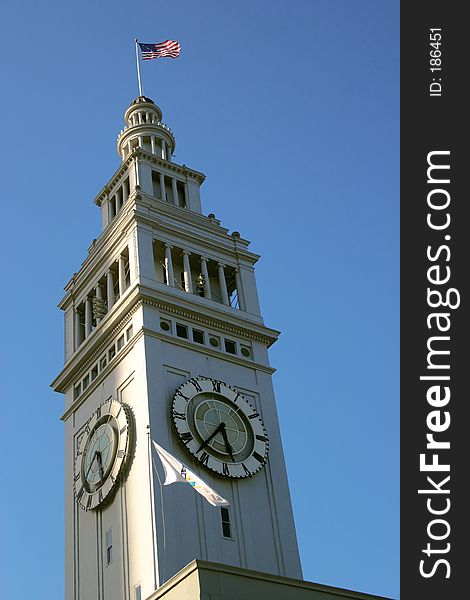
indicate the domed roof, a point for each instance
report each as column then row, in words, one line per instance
column 140, row 99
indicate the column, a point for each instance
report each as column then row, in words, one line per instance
column 125, row 191
column 175, row 191
column 207, row 285
column 223, row 285
column 99, row 295
column 110, row 289
column 188, row 286
column 163, row 149
column 186, row 195
column 141, row 140
column 238, row 283
column 117, row 198
column 137, row 174
column 122, row 276
column 78, row 337
column 170, row 278
column 162, row 187
column 152, row 143
column 88, row 317
column 111, row 211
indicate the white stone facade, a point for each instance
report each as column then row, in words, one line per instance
column 161, row 268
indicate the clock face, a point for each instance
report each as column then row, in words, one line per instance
column 220, row 427
column 102, row 454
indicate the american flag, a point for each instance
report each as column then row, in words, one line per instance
column 167, row 48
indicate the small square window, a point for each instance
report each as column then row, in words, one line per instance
column 129, row 332
column 181, row 331
column 111, row 352
column 94, row 372
column 198, row 336
column 86, row 382
column 120, row 343
column 230, row 347
column 103, row 363
column 77, row 391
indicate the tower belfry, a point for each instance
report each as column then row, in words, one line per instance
column 164, row 340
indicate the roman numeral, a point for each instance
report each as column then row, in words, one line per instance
column 121, row 453
column 246, row 470
column 195, row 382
column 204, row 458
column 80, row 494
column 261, row 438
column 88, row 502
column 225, row 469
column 216, row 385
column 178, row 415
column 98, row 412
column 258, row 457
column 253, row 416
column 178, row 393
column 76, row 477
column 100, row 496
column 237, row 396
column 186, row 437
column 123, row 429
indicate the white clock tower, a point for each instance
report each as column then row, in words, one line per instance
column 164, row 340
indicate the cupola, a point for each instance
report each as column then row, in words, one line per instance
column 144, row 129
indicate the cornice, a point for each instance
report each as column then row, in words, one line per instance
column 137, row 153
column 113, row 323
column 116, row 320
column 101, row 377
column 200, row 233
column 209, row 313
column 208, row 351
column 171, row 167
column 100, row 253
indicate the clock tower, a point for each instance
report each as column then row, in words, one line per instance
column 164, row 341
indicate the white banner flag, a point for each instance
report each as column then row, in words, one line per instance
column 176, row 471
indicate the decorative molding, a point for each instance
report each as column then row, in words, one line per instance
column 233, row 358
column 214, row 322
column 78, row 365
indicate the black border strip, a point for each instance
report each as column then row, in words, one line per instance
column 436, row 123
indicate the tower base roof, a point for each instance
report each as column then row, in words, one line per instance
column 201, row 580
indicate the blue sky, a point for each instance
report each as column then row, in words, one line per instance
column 291, row 110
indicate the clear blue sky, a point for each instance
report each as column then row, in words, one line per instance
column 291, row 110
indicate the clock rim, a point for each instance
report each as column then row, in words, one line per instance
column 178, row 399
column 121, row 463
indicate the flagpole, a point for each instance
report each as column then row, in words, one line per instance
column 138, row 66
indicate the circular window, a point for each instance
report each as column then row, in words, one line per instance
column 245, row 351
column 165, row 326
column 214, row 341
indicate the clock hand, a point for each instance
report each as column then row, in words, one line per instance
column 213, row 434
column 227, row 443
column 100, row 464
column 91, row 463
